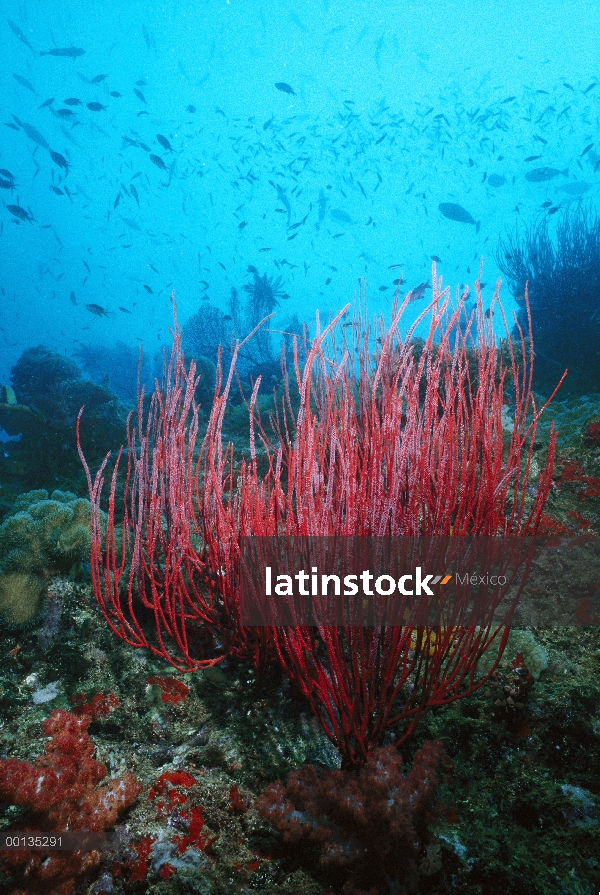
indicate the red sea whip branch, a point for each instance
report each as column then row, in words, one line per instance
column 157, row 568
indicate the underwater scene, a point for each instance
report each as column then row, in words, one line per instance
column 300, row 448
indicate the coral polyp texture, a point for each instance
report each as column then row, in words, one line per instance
column 60, row 792
column 42, row 536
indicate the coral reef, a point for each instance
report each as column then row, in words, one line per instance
column 211, row 330
column 116, row 367
column 60, row 791
column 368, row 826
column 50, row 391
column 563, row 279
column 42, row 536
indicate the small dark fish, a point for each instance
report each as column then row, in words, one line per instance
column 419, row 291
column 532, row 158
column 508, row 99
column 32, row 133
column 139, row 94
column 18, row 33
column 383, row 288
column 20, row 213
column 436, row 259
column 72, row 101
column 568, row 86
column 156, row 160
column 148, row 289
column 134, row 193
column 591, row 87
column 164, row 143
column 587, row 149
column 117, row 200
column 70, row 52
column 539, row 139
column 96, row 107
column 65, row 113
column 125, row 311
column 47, row 102
column 56, row 190
column 285, row 88
column 338, row 214
column 98, row 310
column 59, row 160
column 116, row 94
column 25, row 83
column 191, row 109
column 7, row 184
column 328, row 281
column 455, row 212
column 554, row 209
column 242, row 224
column 539, row 175
column 98, row 79
column 546, row 204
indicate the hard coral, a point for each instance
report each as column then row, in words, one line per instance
column 60, row 791
column 369, row 823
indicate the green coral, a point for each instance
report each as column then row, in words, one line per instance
column 43, row 536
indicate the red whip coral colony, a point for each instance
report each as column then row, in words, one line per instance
column 401, row 442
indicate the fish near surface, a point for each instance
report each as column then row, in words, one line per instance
column 455, row 212
column 540, row 175
column 285, row 88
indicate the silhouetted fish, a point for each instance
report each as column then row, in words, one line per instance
column 164, row 143
column 59, row 160
column 20, row 213
column 539, row 175
column 70, row 52
column 25, row 83
column 156, row 159
column 17, row 31
column 285, row 88
column 457, row 213
column 98, row 310
column 33, row 133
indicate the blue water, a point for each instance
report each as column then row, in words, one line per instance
column 395, row 109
